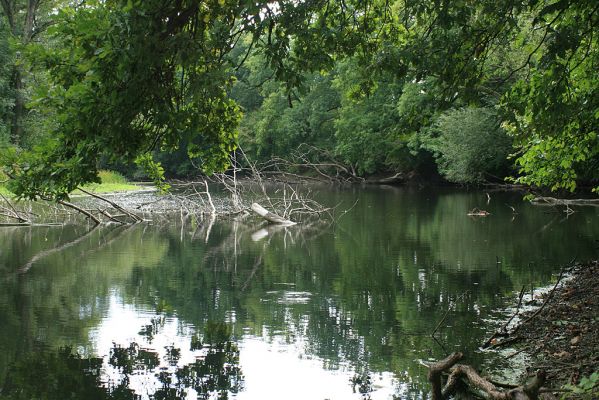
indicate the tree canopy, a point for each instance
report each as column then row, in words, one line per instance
column 124, row 78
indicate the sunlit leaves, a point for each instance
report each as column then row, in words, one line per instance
column 127, row 78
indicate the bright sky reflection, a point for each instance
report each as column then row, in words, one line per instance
column 272, row 369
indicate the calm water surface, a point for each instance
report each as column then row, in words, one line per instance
column 189, row 309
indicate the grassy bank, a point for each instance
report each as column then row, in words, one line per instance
column 111, row 182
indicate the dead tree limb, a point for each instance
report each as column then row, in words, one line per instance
column 552, row 201
column 503, row 331
column 270, row 217
column 81, row 210
column 507, row 334
column 131, row 215
column 13, row 212
column 390, row 180
column 474, row 379
column 529, row 391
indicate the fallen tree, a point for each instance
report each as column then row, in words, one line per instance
column 552, row 201
column 287, row 203
column 270, row 217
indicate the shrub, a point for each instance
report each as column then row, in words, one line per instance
column 111, row 177
column 469, row 145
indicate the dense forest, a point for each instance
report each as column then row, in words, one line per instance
column 471, row 91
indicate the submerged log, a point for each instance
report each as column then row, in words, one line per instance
column 270, row 217
column 552, row 201
column 395, row 179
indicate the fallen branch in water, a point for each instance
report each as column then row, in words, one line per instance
column 503, row 331
column 12, row 212
column 508, row 334
column 270, row 217
column 114, row 205
column 435, row 371
column 552, row 201
column 81, row 210
column 465, row 373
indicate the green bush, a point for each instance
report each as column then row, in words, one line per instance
column 111, row 177
column 587, row 388
column 469, row 145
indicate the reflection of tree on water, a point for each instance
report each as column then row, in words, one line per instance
column 64, row 374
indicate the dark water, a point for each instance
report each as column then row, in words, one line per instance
column 184, row 308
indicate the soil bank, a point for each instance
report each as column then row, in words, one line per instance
column 563, row 339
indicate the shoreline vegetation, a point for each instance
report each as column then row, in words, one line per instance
column 242, row 185
column 111, row 182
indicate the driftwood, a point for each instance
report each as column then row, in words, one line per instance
column 81, row 210
column 475, row 212
column 131, row 215
column 465, row 373
column 286, row 203
column 395, row 179
column 435, row 371
column 270, row 217
column 503, row 331
column 12, row 212
column 552, row 201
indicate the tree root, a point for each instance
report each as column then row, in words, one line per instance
column 465, row 373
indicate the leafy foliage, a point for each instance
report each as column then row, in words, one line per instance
column 586, row 389
column 365, row 79
column 142, row 74
column 470, row 145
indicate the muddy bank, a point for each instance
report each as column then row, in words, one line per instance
column 560, row 335
column 563, row 339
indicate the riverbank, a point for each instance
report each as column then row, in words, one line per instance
column 111, row 182
column 563, row 337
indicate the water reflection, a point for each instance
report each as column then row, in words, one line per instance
column 132, row 371
column 341, row 311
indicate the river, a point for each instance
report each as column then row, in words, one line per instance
column 185, row 308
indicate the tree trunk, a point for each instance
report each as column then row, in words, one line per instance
column 24, row 31
column 270, row 217
column 16, row 129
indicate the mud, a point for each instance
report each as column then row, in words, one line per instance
column 563, row 339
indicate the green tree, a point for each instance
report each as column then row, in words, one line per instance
column 23, row 22
column 131, row 77
column 554, row 113
column 6, row 97
column 469, row 145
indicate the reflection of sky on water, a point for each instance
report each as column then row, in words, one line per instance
column 272, row 369
column 122, row 325
column 284, row 371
